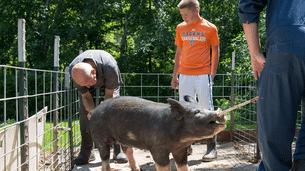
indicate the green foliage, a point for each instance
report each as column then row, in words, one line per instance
column 150, row 28
column 139, row 34
column 238, row 44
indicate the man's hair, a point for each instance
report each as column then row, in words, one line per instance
column 190, row 4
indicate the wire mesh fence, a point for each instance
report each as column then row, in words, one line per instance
column 244, row 119
column 28, row 141
column 47, row 135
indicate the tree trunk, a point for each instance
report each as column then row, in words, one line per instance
column 46, row 25
column 124, row 39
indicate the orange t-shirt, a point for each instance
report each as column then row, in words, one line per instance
column 196, row 40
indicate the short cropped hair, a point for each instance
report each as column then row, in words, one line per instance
column 190, row 4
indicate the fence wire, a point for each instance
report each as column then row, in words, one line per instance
column 29, row 144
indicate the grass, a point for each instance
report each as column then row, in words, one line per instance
column 63, row 136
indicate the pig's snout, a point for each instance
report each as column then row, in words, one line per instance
column 216, row 119
column 222, row 117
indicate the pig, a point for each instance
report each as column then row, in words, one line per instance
column 161, row 128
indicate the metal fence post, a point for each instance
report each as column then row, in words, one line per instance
column 232, row 96
column 55, row 101
column 67, row 86
column 22, row 102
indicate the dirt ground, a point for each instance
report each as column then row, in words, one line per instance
column 229, row 157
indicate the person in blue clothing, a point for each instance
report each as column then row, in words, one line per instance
column 281, row 78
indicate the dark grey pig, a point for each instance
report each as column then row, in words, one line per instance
column 160, row 128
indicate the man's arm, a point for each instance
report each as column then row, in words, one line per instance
column 108, row 94
column 88, row 103
column 175, row 81
column 215, row 61
column 257, row 58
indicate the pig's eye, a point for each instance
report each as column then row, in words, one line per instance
column 196, row 111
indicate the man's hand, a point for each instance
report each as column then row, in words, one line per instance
column 175, row 83
column 213, row 78
column 89, row 116
column 258, row 63
column 257, row 58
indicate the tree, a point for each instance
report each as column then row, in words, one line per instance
column 139, row 34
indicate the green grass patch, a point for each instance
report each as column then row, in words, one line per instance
column 63, row 136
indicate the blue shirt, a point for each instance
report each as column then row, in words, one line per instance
column 280, row 13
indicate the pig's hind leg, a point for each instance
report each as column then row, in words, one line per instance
column 132, row 162
column 180, row 158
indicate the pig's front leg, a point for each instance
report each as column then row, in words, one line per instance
column 132, row 162
column 163, row 168
column 161, row 159
column 180, row 157
column 105, row 156
column 106, row 165
column 104, row 150
column 182, row 168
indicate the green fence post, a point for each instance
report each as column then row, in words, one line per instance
column 69, row 102
column 232, row 96
column 22, row 102
column 55, row 102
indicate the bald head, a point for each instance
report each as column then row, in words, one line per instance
column 83, row 73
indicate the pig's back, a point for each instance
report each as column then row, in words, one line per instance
column 132, row 121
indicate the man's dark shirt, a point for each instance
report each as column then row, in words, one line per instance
column 108, row 74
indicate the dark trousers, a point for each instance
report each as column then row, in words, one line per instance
column 281, row 89
column 87, row 142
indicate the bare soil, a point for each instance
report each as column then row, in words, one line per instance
column 230, row 156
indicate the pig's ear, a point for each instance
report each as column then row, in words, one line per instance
column 177, row 109
column 188, row 98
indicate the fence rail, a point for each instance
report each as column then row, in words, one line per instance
column 36, row 148
column 51, row 98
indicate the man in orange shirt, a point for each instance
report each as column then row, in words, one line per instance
column 195, row 37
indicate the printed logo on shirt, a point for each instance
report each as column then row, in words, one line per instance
column 193, row 36
column 192, row 42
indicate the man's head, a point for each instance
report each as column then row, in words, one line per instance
column 84, row 74
column 189, row 10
